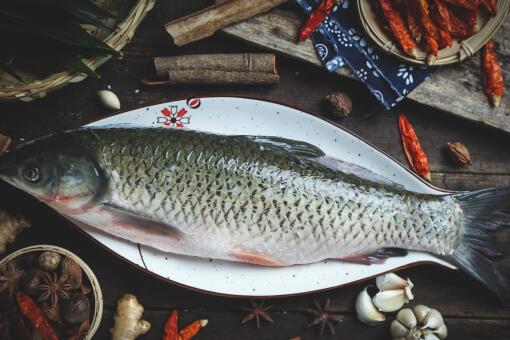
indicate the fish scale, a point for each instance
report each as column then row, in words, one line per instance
column 264, row 199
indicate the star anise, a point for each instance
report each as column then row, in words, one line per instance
column 323, row 317
column 54, row 287
column 257, row 312
column 9, row 278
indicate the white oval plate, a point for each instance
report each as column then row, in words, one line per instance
column 230, row 115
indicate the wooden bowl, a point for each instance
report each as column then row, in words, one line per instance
column 12, row 89
column 460, row 50
column 96, row 289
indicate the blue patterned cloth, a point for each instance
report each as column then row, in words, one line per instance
column 340, row 40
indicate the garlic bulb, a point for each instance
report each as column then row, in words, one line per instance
column 419, row 323
column 109, row 99
column 366, row 311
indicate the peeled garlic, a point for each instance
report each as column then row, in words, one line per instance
column 391, row 281
column 390, row 300
column 366, row 311
column 109, row 99
column 433, row 319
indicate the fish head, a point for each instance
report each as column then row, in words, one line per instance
column 58, row 170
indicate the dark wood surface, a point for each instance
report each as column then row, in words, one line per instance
column 471, row 311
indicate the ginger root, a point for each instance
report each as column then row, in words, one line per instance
column 128, row 325
column 10, row 226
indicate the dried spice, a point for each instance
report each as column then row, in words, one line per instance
column 78, row 332
column 49, row 260
column 76, row 309
column 323, row 317
column 72, row 271
column 316, row 18
column 192, row 329
column 459, row 153
column 172, row 332
column 412, row 23
column 398, row 27
column 9, row 278
column 492, row 74
column 34, row 314
column 53, row 287
column 414, row 152
column 52, row 313
column 430, row 30
column 257, row 311
column 441, row 15
column 469, row 4
column 339, row 103
column 31, row 281
column 490, row 5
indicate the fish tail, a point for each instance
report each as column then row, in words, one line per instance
column 484, row 250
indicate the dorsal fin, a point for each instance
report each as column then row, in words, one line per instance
column 294, row 147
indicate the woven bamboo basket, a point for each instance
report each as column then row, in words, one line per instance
column 460, row 50
column 13, row 90
column 96, row 289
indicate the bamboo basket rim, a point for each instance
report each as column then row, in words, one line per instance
column 459, row 51
column 96, row 288
column 121, row 35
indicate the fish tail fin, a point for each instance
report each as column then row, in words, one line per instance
column 484, row 251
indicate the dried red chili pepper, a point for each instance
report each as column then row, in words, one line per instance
column 192, row 329
column 34, row 314
column 412, row 24
column 171, row 332
column 445, row 38
column 470, row 17
column 441, row 15
column 430, row 29
column 398, row 27
column 414, row 152
column 316, row 18
column 490, row 5
column 469, row 4
column 492, row 74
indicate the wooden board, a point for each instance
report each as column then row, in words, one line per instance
column 456, row 89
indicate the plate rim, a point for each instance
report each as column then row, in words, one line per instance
column 213, row 293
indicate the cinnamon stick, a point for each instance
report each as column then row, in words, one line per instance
column 241, row 62
column 213, row 77
column 204, row 23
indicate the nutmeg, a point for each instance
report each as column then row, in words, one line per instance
column 49, row 260
column 30, row 284
column 339, row 104
column 76, row 309
column 459, row 153
column 72, row 272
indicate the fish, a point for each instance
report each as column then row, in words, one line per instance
column 261, row 200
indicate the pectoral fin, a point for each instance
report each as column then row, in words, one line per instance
column 127, row 219
column 378, row 257
column 255, row 258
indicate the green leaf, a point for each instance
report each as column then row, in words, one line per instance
column 63, row 32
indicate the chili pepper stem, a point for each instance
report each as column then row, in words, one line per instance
column 496, row 101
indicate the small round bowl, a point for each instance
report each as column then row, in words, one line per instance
column 460, row 50
column 96, row 289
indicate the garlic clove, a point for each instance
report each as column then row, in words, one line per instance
column 391, row 281
column 398, row 330
column 407, row 318
column 109, row 99
column 366, row 311
column 433, row 319
column 408, row 292
column 390, row 300
column 441, row 332
column 420, row 311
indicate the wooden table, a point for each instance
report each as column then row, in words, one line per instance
column 471, row 311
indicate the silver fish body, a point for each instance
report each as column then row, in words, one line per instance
column 263, row 200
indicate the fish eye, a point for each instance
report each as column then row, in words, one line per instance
column 31, row 173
